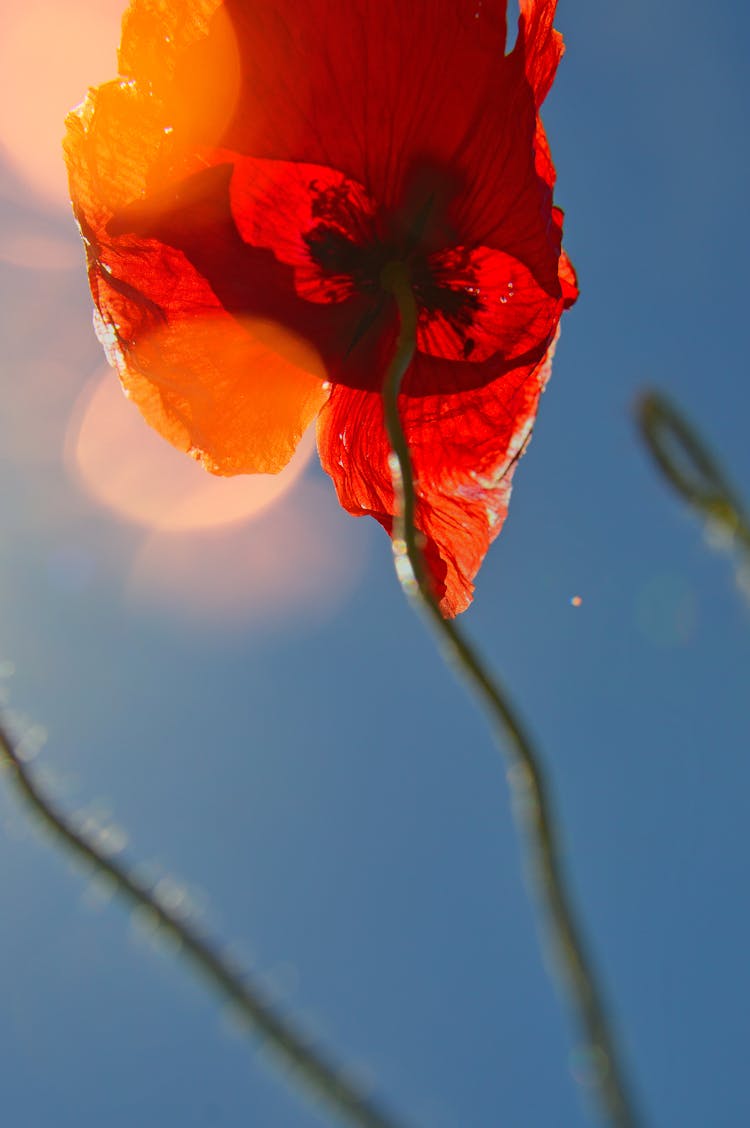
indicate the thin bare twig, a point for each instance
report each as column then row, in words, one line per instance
column 315, row 1071
column 527, row 781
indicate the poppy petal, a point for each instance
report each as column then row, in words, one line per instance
column 568, row 281
column 362, row 85
column 397, row 95
column 225, row 391
column 290, row 208
column 237, row 393
column 500, row 308
column 464, row 449
column 184, row 55
column 541, row 45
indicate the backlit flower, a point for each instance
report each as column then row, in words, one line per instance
column 241, row 187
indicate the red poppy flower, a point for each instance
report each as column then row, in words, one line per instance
column 240, row 189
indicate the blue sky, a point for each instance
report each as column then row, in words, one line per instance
column 269, row 723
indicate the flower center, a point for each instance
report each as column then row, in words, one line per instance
column 444, row 284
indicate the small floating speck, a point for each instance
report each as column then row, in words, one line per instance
column 576, row 600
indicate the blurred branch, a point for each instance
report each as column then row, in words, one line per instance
column 691, row 468
column 526, row 778
column 315, row 1071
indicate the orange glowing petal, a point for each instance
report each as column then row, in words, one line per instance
column 135, row 135
column 128, row 468
column 236, row 396
column 56, row 43
column 184, row 55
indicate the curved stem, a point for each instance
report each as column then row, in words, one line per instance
column 690, row 467
column 316, row 1072
column 527, row 781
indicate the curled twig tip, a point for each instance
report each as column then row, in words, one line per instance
column 690, row 467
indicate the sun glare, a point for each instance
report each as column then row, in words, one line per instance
column 298, row 563
column 126, row 466
column 27, row 248
column 49, row 52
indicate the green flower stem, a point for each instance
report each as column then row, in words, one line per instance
column 690, row 467
column 315, row 1071
column 529, row 789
